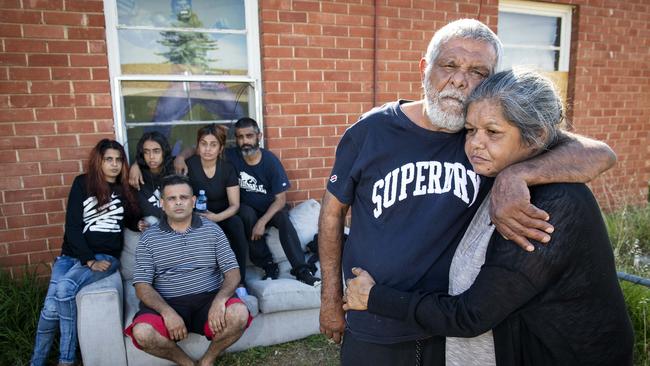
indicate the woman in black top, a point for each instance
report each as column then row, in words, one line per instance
column 560, row 304
column 154, row 158
column 100, row 203
column 208, row 170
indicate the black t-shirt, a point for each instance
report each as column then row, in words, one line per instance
column 215, row 188
column 149, row 193
column 412, row 192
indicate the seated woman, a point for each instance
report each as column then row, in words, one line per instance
column 208, row 170
column 100, row 203
column 560, row 304
column 154, row 158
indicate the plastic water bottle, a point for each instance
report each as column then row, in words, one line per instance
column 201, row 202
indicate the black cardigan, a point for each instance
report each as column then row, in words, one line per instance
column 559, row 305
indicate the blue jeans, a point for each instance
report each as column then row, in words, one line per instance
column 69, row 275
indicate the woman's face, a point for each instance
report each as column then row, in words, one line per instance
column 492, row 143
column 111, row 165
column 153, row 155
column 209, row 148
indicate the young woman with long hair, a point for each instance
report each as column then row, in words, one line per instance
column 154, row 158
column 100, row 203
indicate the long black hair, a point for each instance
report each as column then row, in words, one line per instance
column 158, row 137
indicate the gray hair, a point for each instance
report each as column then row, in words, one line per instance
column 528, row 100
column 468, row 29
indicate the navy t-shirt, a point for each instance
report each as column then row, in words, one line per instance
column 259, row 183
column 215, row 187
column 412, row 192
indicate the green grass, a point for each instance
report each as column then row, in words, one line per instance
column 637, row 299
column 629, row 232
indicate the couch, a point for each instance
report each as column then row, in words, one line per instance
column 283, row 309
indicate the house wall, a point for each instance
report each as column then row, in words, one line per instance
column 323, row 64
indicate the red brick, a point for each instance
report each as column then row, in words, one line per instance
column 29, row 73
column 17, row 142
column 88, row 60
column 10, row 30
column 27, row 246
column 100, row 73
column 43, row 207
column 39, row 181
column 43, row 4
column 15, row 222
column 25, row 45
column 10, row 4
column 42, row 257
column 56, row 218
column 60, row 167
column 20, row 16
column 13, row 59
column 74, row 153
column 54, row 114
column 38, row 155
column 49, row 87
column 91, row 139
column 43, row 31
column 75, row 127
column 40, row 232
column 24, row 195
column 91, row 86
column 64, row 18
column 96, row 20
column 96, row 6
column 56, row 192
column 47, row 60
column 57, row 141
column 97, row 46
column 16, row 115
column 8, row 157
column 86, row 33
column 67, row 46
column 22, row 101
column 102, row 100
column 29, row 129
column 70, row 73
column 13, row 260
column 94, row 113
column 11, row 209
column 12, row 87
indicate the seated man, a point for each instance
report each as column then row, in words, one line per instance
column 185, row 277
column 263, row 184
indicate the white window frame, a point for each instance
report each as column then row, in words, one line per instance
column 116, row 76
column 564, row 12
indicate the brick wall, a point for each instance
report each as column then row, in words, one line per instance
column 54, row 105
column 324, row 63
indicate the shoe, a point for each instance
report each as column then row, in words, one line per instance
column 305, row 276
column 271, row 271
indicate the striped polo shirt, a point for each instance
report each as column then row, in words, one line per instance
column 178, row 264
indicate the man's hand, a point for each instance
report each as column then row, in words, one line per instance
column 332, row 317
column 135, row 177
column 513, row 214
column 357, row 290
column 258, row 230
column 179, row 165
column 98, row 266
column 175, row 325
column 217, row 316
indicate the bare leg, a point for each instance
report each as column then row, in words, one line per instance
column 236, row 318
column 155, row 344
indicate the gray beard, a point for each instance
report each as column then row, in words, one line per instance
column 438, row 117
column 248, row 151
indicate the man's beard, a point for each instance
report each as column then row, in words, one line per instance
column 248, row 149
column 439, row 118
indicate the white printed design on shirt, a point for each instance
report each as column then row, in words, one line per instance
column 249, row 183
column 155, row 198
column 423, row 178
column 105, row 218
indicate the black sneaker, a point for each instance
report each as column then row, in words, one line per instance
column 305, row 276
column 271, row 271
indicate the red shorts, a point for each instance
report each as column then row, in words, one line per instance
column 192, row 308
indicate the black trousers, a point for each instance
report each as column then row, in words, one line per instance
column 259, row 249
column 233, row 227
column 425, row 352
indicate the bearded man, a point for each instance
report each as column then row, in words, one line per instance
column 403, row 170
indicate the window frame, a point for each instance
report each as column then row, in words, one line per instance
column 116, row 77
column 564, row 12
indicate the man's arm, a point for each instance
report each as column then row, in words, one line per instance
column 179, row 162
column 574, row 159
column 277, row 205
column 152, row 299
column 217, row 312
column 330, row 248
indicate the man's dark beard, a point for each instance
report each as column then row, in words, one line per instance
column 248, row 149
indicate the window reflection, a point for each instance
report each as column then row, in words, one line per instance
column 222, row 14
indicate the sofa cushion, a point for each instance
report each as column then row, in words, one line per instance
column 127, row 258
column 304, row 218
column 284, row 294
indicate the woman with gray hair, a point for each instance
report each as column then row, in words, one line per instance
column 560, row 304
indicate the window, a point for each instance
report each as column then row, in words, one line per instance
column 176, row 65
column 538, row 35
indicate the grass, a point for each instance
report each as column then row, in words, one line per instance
column 629, row 230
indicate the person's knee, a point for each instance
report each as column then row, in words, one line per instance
column 49, row 311
column 237, row 315
column 66, row 289
column 146, row 336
